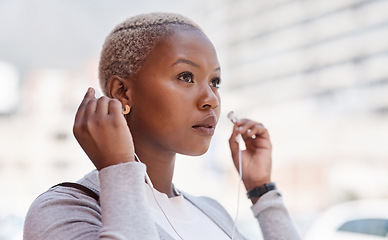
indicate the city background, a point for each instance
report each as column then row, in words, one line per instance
column 314, row 72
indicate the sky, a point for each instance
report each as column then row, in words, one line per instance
column 46, row 33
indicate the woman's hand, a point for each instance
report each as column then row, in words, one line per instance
column 256, row 159
column 102, row 131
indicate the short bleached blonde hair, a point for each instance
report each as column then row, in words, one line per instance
column 131, row 41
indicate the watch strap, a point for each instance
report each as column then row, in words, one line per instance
column 260, row 191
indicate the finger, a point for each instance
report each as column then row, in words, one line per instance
column 261, row 139
column 254, row 131
column 115, row 107
column 250, row 130
column 88, row 96
column 81, row 109
column 259, row 131
column 245, row 126
column 90, row 108
column 102, row 106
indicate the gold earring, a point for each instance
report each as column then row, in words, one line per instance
column 126, row 109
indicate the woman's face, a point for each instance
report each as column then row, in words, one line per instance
column 175, row 99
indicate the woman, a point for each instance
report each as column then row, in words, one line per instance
column 164, row 72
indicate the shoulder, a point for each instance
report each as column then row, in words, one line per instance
column 210, row 207
column 60, row 198
column 91, row 181
column 212, row 203
column 57, row 210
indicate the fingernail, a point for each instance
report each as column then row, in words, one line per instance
column 88, row 91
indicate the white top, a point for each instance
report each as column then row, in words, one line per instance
column 183, row 215
column 123, row 212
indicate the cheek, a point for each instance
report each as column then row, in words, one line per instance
column 217, row 110
column 165, row 117
column 152, row 100
column 163, row 109
column 172, row 106
column 219, row 100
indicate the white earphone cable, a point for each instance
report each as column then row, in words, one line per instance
column 238, row 139
column 149, row 183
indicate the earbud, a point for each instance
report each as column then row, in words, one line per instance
column 232, row 117
column 97, row 94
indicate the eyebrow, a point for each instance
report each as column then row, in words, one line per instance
column 191, row 63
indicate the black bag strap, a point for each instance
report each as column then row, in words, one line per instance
column 91, row 193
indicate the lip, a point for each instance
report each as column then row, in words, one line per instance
column 206, row 126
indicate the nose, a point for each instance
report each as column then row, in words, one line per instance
column 209, row 98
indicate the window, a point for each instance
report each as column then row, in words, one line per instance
column 377, row 227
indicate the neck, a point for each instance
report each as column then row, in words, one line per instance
column 160, row 169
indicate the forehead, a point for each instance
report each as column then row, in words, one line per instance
column 192, row 45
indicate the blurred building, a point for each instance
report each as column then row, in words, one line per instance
column 313, row 71
column 10, row 82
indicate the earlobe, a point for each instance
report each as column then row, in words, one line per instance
column 118, row 88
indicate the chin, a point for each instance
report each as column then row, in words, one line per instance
column 195, row 152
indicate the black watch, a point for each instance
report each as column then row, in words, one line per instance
column 260, row 191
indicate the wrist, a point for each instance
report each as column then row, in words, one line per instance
column 249, row 185
column 255, row 193
column 112, row 162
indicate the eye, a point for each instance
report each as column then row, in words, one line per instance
column 215, row 82
column 186, row 77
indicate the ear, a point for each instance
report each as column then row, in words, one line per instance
column 119, row 88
